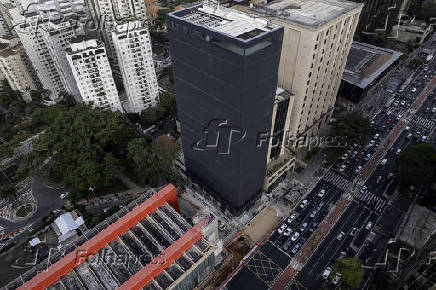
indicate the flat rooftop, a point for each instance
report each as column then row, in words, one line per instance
column 366, row 62
column 226, row 21
column 312, row 13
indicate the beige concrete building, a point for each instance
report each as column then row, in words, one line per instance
column 317, row 38
column 14, row 69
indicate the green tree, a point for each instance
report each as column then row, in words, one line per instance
column 416, row 166
column 351, row 270
column 78, row 143
column 8, row 191
column 416, row 62
column 145, row 162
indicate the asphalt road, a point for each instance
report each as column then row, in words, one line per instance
column 370, row 208
column 47, row 200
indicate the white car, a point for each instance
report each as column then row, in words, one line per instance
column 376, row 136
column 337, row 278
column 413, row 90
column 398, row 151
column 384, row 161
column 433, row 110
column 340, row 236
column 64, row 195
column 282, row 228
column 295, row 236
column 368, row 225
column 321, row 193
column 363, row 189
column 407, row 128
column 326, row 272
column 345, row 156
column 304, row 203
column 423, row 138
column 313, row 213
column 303, row 227
column 292, row 217
column 342, row 168
column 287, row 232
column 402, row 103
column 358, row 169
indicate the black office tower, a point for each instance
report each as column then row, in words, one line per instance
column 225, row 67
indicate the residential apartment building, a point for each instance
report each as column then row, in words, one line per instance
column 317, row 38
column 133, row 46
column 57, row 38
column 14, row 69
column 225, row 73
column 107, row 12
column 29, row 27
column 90, row 66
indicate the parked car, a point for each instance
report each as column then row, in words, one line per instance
column 368, row 225
column 337, row 278
column 353, row 231
column 321, row 193
column 384, row 161
column 282, row 229
column 295, row 236
column 303, row 227
column 304, row 203
column 398, row 151
column 64, row 195
column 326, row 272
column 313, row 213
column 379, row 178
column 287, row 245
column 340, row 236
column 292, row 217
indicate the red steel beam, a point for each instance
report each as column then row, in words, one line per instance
column 166, row 258
column 102, row 239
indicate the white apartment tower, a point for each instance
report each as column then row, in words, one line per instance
column 90, row 66
column 29, row 31
column 317, row 38
column 14, row 69
column 57, row 38
column 133, row 47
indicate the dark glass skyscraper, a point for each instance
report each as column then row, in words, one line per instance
column 225, row 68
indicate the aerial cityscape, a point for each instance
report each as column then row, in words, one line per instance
column 218, row 144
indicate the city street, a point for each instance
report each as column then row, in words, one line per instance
column 371, row 209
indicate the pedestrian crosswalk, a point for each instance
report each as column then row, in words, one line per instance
column 374, row 202
column 423, row 122
column 336, row 179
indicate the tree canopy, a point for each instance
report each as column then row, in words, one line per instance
column 7, row 191
column 351, row 270
column 416, row 166
column 82, row 144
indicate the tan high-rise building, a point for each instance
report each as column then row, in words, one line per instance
column 317, row 39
